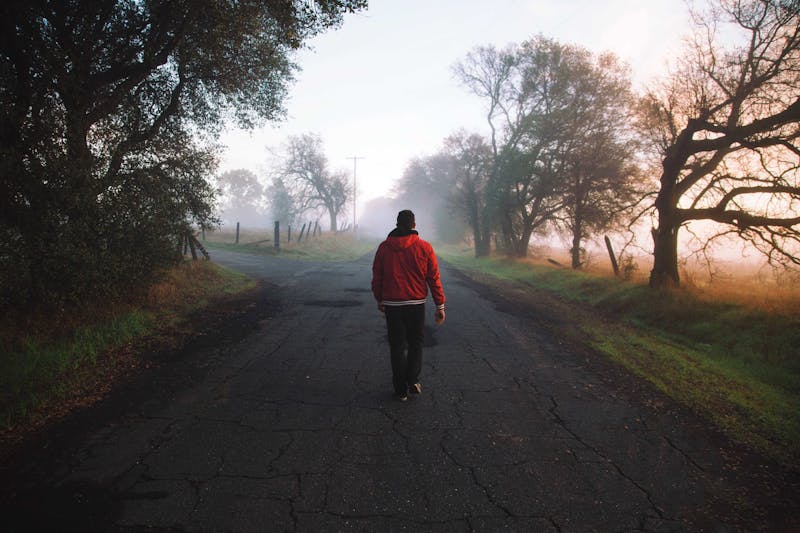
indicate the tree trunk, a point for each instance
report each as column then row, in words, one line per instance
column 509, row 241
column 665, row 256
column 576, row 249
column 480, row 237
column 333, row 220
column 577, row 228
column 665, row 237
column 482, row 245
column 521, row 245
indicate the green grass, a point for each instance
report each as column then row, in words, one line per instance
column 56, row 361
column 31, row 374
column 736, row 365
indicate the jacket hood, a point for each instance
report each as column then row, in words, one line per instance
column 402, row 238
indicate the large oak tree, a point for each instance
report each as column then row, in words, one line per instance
column 108, row 111
column 726, row 125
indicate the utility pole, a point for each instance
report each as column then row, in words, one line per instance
column 355, row 160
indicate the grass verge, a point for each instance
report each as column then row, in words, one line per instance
column 736, row 365
column 56, row 363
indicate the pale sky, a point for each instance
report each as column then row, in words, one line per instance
column 381, row 86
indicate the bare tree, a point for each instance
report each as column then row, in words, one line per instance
column 304, row 169
column 726, row 125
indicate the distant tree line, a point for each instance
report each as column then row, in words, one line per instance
column 571, row 148
column 301, row 182
column 109, row 112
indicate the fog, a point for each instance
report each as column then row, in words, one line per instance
column 380, row 217
column 380, row 87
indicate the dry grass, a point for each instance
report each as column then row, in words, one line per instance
column 184, row 284
column 322, row 247
column 246, row 236
column 776, row 293
column 745, row 283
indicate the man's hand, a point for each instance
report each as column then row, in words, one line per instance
column 381, row 307
column 439, row 316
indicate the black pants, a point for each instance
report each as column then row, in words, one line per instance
column 405, row 324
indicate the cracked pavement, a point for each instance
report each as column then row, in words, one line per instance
column 293, row 428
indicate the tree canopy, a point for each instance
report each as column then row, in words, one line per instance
column 242, row 198
column 108, row 112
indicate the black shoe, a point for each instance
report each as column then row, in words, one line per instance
column 415, row 388
column 401, row 396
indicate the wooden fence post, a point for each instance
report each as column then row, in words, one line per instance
column 277, row 235
column 190, row 239
column 614, row 264
column 237, row 233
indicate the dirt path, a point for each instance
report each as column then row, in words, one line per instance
column 291, row 427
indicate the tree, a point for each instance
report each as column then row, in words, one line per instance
column 545, row 100
column 281, row 202
column 108, row 110
column 425, row 188
column 726, row 126
column 304, row 168
column 242, row 195
column 602, row 185
column 471, row 160
column 601, row 175
column 493, row 74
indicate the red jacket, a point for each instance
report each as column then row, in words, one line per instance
column 405, row 267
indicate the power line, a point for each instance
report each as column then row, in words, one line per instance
column 355, row 160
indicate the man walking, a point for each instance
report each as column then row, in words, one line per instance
column 404, row 268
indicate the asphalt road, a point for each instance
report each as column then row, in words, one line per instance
column 292, row 427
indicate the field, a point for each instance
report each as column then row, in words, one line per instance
column 322, row 247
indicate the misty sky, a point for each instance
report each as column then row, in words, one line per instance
column 381, row 86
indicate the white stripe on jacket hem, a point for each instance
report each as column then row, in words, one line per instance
column 408, row 302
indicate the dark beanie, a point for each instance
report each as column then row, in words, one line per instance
column 405, row 219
